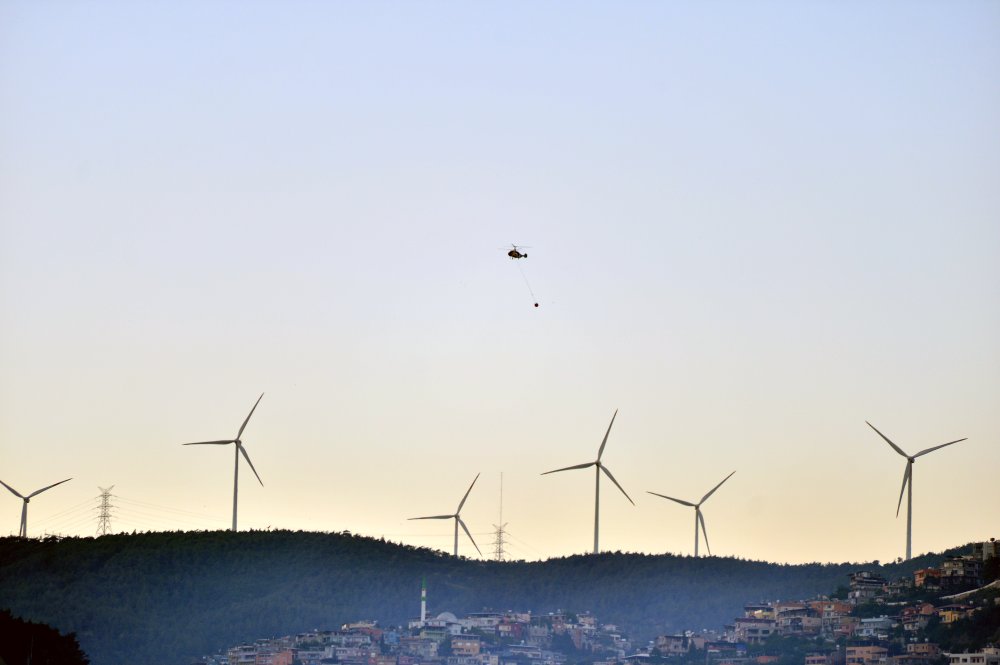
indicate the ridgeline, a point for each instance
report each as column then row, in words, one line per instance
column 167, row 597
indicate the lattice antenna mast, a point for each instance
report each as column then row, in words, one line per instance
column 498, row 543
column 104, row 518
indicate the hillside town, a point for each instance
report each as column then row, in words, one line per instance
column 869, row 621
column 482, row 638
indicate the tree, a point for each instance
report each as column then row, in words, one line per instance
column 37, row 643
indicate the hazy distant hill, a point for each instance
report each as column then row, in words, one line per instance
column 163, row 597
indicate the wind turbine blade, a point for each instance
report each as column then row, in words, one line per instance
column 664, row 496
column 713, row 490
column 704, row 531
column 605, row 442
column 243, row 426
column 48, row 488
column 466, row 529
column 466, row 495
column 433, row 517
column 894, row 446
column 247, row 458
column 930, row 450
column 570, row 468
column 15, row 492
column 906, row 479
column 608, row 474
column 210, row 443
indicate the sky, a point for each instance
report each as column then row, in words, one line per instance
column 751, row 227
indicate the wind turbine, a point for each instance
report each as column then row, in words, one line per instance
column 239, row 449
column 598, row 467
column 908, row 483
column 457, row 518
column 698, row 517
column 23, row 532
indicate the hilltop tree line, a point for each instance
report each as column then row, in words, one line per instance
column 164, row 597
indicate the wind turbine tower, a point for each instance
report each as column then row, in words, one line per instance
column 598, row 468
column 458, row 520
column 908, row 483
column 239, row 450
column 23, row 531
column 699, row 519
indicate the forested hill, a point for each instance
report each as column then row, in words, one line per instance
column 164, row 597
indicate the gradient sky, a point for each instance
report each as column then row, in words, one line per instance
column 753, row 226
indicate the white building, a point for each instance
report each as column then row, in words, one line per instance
column 988, row 656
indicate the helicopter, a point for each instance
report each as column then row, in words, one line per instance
column 516, row 253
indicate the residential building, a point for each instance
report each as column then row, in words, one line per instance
column 518, row 654
column 481, row 659
column 466, row 645
column 265, row 655
column 512, row 630
column 539, row 636
column 899, row 587
column 799, row 620
column 961, row 572
column 421, row 647
column 779, row 606
column 950, row 613
column 759, row 611
column 244, row 654
column 819, row 658
column 845, row 626
column 832, row 613
column 925, row 649
column 986, row 550
column 752, row 630
column 699, row 640
column 909, row 659
column 672, row 645
column 875, row 627
column 866, row 655
column 311, row 656
column 915, row 617
column 988, row 656
column 482, row 620
column 725, row 653
column 866, row 585
column 927, row 578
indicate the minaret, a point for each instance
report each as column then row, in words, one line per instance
column 423, row 600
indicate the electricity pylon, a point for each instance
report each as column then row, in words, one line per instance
column 498, row 551
column 104, row 518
